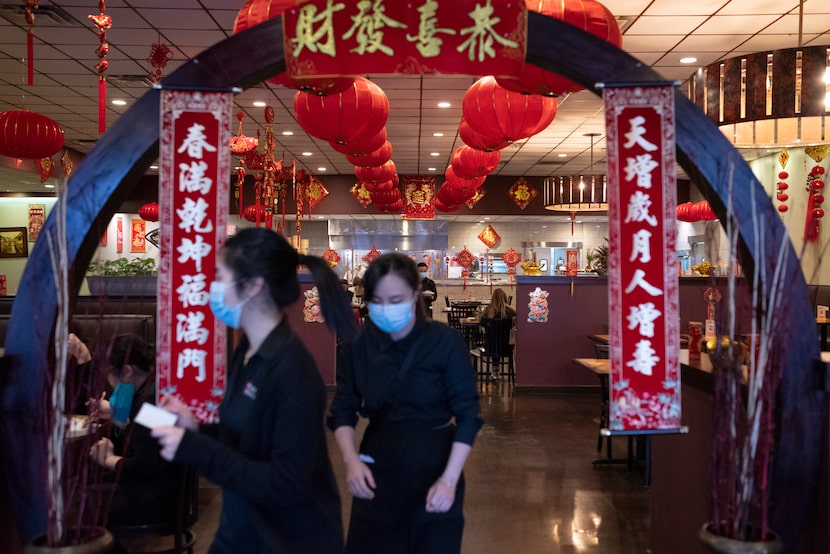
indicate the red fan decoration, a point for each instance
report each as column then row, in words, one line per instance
column 102, row 22
column 371, row 255
column 149, row 212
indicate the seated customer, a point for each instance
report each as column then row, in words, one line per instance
column 142, row 484
column 497, row 310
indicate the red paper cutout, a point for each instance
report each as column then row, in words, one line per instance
column 522, row 193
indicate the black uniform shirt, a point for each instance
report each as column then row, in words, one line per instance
column 440, row 383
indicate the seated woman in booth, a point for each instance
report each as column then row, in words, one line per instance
column 498, row 309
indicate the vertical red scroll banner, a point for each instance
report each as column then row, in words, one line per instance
column 323, row 38
column 571, row 263
column 419, row 197
column 194, row 168
column 119, row 234
column 643, row 304
column 137, row 231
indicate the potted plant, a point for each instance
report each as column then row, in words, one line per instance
column 123, row 276
column 599, row 259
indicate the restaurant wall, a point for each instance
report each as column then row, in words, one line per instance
column 14, row 212
column 798, row 167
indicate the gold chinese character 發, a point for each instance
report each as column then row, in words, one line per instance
column 368, row 28
column 320, row 39
column 482, row 34
column 428, row 44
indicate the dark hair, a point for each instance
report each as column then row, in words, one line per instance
column 131, row 350
column 259, row 252
column 421, row 264
column 398, row 264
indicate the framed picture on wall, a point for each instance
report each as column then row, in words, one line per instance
column 13, row 242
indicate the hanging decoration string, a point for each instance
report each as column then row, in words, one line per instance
column 102, row 22
column 815, row 193
column 31, row 6
column 160, row 54
column 782, row 185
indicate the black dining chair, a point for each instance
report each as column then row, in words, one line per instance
column 141, row 538
column 496, row 352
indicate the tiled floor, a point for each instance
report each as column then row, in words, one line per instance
column 531, row 487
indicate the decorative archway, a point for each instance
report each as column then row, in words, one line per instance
column 113, row 168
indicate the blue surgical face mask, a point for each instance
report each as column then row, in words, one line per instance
column 391, row 318
column 121, row 402
column 423, row 275
column 229, row 315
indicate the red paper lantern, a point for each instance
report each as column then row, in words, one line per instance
column 29, row 135
column 497, row 112
column 250, row 213
column 440, row 205
column 382, row 186
column 394, row 207
column 359, row 111
column 470, row 162
column 255, row 12
column 455, row 195
column 386, row 196
column 454, row 180
column 588, row 15
column 479, row 141
column 361, row 146
column 373, row 159
column 684, row 212
column 376, row 174
column 149, row 212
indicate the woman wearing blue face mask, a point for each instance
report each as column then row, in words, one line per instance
column 412, row 378
column 268, row 451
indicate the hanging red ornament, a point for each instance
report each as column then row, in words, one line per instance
column 376, row 174
column 29, row 135
column 479, row 141
column 465, row 259
column 45, row 166
column 102, row 22
column 160, row 54
column 371, row 255
column 444, row 207
column 372, row 159
column 149, row 211
column 511, row 259
column 66, row 164
column 254, row 213
column 470, row 162
column 361, row 194
column 241, row 144
column 362, row 145
column 815, row 186
column 331, row 256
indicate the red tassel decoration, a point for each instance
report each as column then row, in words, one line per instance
column 102, row 104
column 30, row 53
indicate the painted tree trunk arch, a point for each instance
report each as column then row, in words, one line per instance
column 113, row 168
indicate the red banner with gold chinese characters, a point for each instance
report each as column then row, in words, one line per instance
column 326, row 38
column 418, row 196
column 642, row 283
column 193, row 170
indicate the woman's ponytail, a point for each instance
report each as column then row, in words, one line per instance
column 334, row 302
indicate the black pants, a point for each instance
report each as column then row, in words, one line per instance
column 409, row 458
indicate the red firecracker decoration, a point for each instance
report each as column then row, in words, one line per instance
column 160, row 54
column 102, row 22
column 29, row 135
column 149, row 211
column 815, row 193
column 781, row 188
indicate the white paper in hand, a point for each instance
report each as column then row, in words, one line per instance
column 152, row 416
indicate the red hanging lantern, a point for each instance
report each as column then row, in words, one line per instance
column 359, row 111
column 149, row 212
column 588, row 15
column 376, row 174
column 382, row 186
column 386, row 196
column 462, row 182
column 373, row 159
column 394, row 207
column 684, row 212
column 254, row 213
column 255, row 12
column 361, row 146
column 29, row 135
column 479, row 141
column 492, row 110
column 470, row 162
column 441, row 205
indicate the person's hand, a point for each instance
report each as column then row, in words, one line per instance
column 360, row 480
column 440, row 497
column 169, row 438
column 99, row 409
column 77, row 349
column 186, row 418
column 103, row 453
